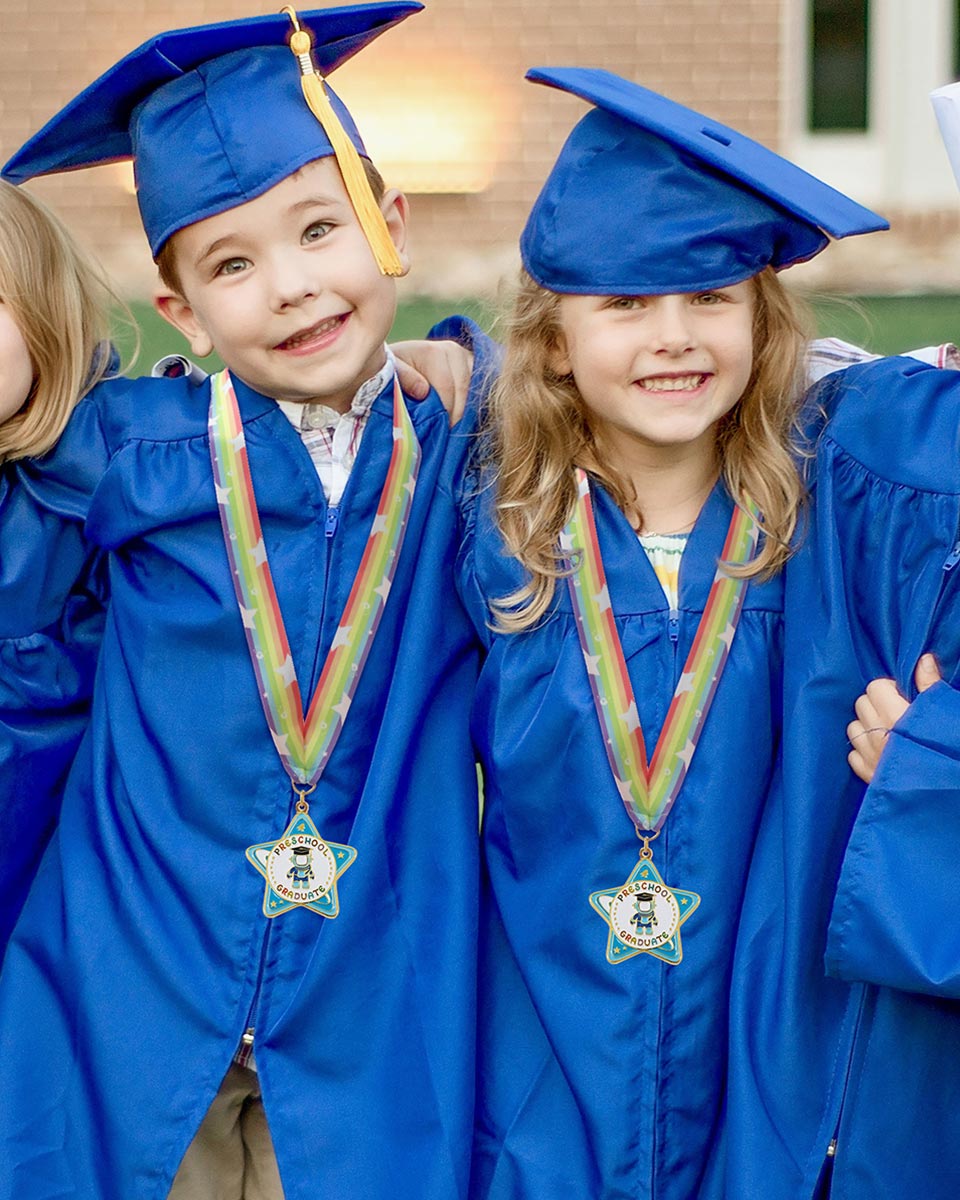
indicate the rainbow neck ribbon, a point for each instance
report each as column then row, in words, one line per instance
column 649, row 791
column 306, row 743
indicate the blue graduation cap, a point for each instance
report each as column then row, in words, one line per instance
column 648, row 197
column 216, row 115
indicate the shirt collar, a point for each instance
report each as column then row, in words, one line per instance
column 320, row 416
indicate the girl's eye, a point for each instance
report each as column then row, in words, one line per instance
column 709, row 298
column 316, row 231
column 232, row 266
column 626, row 303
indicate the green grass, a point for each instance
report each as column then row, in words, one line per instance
column 885, row 324
column 890, row 324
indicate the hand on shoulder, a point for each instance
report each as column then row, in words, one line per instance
column 446, row 366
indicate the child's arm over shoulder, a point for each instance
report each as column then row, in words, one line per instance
column 486, row 355
column 897, row 417
column 887, row 514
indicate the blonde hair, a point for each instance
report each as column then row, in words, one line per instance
column 61, row 304
column 539, row 430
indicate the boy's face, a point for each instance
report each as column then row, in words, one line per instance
column 286, row 290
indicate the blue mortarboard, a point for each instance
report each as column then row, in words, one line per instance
column 213, row 116
column 649, row 197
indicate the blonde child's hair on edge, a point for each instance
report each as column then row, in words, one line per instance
column 539, row 431
column 61, row 303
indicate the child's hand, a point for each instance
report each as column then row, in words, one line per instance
column 446, row 366
column 879, row 708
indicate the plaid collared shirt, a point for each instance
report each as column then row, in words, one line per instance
column 332, row 438
column 826, row 355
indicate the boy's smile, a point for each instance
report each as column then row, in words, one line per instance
column 286, row 290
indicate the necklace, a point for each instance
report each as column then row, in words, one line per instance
column 300, row 868
column 644, row 915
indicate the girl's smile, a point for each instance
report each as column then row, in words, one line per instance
column 674, row 383
column 656, row 373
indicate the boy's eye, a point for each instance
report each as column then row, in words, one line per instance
column 232, row 266
column 316, row 231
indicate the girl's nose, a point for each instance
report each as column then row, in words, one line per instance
column 672, row 328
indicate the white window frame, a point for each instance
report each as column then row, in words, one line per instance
column 898, row 162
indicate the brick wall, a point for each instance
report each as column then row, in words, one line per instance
column 718, row 57
column 723, row 58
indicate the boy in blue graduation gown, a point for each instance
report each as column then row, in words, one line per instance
column 143, row 955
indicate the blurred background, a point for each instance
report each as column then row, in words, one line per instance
column 840, row 86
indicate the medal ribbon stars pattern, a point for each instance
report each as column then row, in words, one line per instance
column 648, row 791
column 305, row 743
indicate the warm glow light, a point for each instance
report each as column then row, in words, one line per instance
column 429, row 127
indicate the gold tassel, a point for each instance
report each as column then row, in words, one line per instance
column 368, row 212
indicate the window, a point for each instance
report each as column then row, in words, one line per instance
column 837, row 95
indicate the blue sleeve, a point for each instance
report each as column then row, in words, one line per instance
column 894, row 916
column 469, row 588
column 53, row 596
column 44, row 504
column 487, row 358
column 46, row 682
column 887, row 501
column 470, row 481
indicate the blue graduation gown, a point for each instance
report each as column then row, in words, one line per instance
column 599, row 1080
column 46, row 680
column 845, row 1026
column 142, row 952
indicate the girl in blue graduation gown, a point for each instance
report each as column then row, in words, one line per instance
column 54, row 331
column 655, row 351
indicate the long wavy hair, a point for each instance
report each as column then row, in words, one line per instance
column 61, row 304
column 539, row 429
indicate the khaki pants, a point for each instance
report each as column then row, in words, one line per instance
column 231, row 1157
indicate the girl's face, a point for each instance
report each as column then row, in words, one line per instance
column 16, row 369
column 658, row 372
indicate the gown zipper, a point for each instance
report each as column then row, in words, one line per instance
column 830, row 1153
column 330, row 526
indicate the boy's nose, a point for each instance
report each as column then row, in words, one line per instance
column 293, row 281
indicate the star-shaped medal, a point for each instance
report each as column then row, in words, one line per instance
column 644, row 915
column 301, row 869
